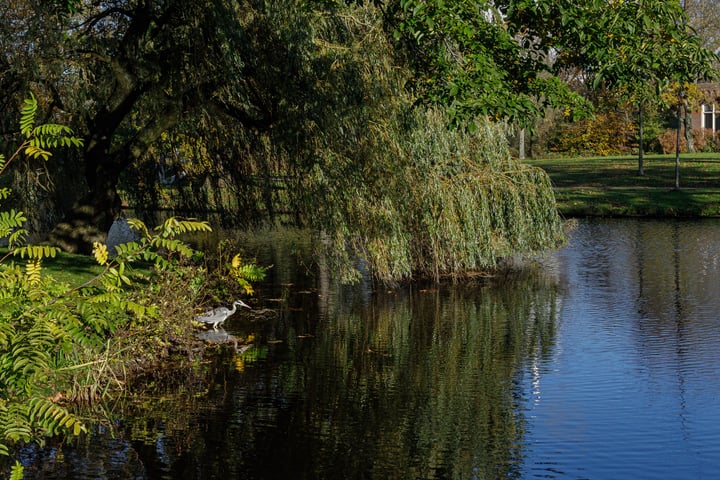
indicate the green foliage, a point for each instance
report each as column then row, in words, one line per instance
column 158, row 246
column 283, row 90
column 245, row 273
column 30, row 332
column 36, row 333
column 60, row 343
column 37, row 139
column 636, row 46
column 446, row 203
column 17, row 471
column 381, row 179
column 475, row 60
column 229, row 276
column 42, row 137
column 11, row 227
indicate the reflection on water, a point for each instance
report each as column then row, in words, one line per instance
column 606, row 364
column 632, row 389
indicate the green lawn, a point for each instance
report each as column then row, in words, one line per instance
column 65, row 267
column 75, row 269
column 611, row 186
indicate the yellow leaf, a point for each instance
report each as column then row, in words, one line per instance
column 239, row 364
column 236, row 261
column 100, row 252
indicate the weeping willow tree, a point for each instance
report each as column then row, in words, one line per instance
column 391, row 185
column 434, row 202
column 350, row 153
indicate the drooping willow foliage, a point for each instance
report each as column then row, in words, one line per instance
column 435, row 203
column 393, row 186
column 383, row 181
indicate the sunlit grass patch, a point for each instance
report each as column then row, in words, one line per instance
column 611, row 186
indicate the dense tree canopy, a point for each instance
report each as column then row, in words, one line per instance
column 484, row 57
column 305, row 110
column 503, row 58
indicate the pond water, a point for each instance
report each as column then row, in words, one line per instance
column 601, row 363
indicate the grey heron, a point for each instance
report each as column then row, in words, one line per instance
column 217, row 316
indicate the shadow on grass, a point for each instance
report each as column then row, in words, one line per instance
column 75, row 270
column 72, row 269
column 623, row 172
column 64, row 267
column 639, row 202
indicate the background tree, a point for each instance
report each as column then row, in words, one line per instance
column 645, row 47
column 128, row 70
column 704, row 18
column 527, row 46
column 484, row 58
column 280, row 104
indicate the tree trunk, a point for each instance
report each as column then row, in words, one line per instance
column 105, row 159
column 687, row 122
column 677, row 148
column 90, row 219
column 521, row 143
column 641, row 167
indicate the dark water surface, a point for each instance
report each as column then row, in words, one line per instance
column 603, row 364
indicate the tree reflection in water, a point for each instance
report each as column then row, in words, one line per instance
column 411, row 383
column 414, row 384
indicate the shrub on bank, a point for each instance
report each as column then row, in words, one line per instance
column 63, row 344
column 606, row 134
column 668, row 139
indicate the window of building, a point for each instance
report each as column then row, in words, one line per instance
column 710, row 117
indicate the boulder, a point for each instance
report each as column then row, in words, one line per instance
column 120, row 232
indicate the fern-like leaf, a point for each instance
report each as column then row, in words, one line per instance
column 51, row 130
column 138, row 225
column 174, row 226
column 36, row 252
column 17, row 237
column 14, row 423
column 53, row 135
column 33, row 270
column 27, row 116
column 150, row 256
column 251, row 272
column 17, row 472
column 35, row 151
column 129, row 251
column 172, row 245
column 11, row 220
column 53, row 418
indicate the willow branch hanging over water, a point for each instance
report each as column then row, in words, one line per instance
column 433, row 203
column 395, row 189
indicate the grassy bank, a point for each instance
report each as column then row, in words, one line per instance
column 74, row 269
column 611, row 186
